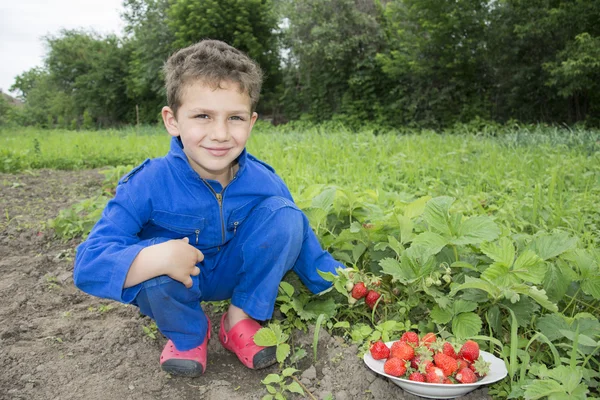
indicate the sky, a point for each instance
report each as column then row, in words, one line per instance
column 23, row 24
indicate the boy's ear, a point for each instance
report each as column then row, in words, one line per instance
column 253, row 119
column 170, row 121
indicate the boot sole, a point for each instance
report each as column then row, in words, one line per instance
column 183, row 367
column 265, row 358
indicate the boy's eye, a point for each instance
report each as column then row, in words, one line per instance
column 237, row 118
column 202, row 116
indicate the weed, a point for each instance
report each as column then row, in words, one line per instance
column 277, row 385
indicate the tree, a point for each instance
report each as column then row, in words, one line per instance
column 248, row 25
column 330, row 66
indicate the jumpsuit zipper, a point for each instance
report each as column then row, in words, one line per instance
column 219, row 197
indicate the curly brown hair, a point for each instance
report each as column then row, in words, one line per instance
column 212, row 62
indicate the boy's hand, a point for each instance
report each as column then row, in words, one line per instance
column 181, row 259
column 175, row 258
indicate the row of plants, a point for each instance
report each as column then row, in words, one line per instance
column 436, row 266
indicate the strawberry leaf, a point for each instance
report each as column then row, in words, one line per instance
column 466, row 325
column 476, row 230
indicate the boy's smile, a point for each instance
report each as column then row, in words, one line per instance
column 214, row 126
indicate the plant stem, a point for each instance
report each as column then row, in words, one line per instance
column 304, row 388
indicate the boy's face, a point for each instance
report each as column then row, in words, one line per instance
column 213, row 124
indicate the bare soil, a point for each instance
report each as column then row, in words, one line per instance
column 57, row 342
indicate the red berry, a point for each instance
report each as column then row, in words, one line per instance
column 465, row 375
column 448, row 350
column 469, row 351
column 446, row 363
column 359, row 290
column 379, row 350
column 417, row 377
column 394, row 367
column 428, row 339
column 410, row 337
column 402, row 350
column 435, row 375
column 372, row 298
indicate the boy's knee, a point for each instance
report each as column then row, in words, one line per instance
column 165, row 288
column 285, row 214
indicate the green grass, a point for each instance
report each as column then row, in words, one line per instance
column 529, row 178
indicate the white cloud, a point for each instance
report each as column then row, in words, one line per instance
column 23, row 24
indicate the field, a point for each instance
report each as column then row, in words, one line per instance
column 489, row 231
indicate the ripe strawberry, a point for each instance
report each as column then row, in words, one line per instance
column 469, row 351
column 428, row 338
column 448, row 381
column 446, row 363
column 372, row 297
column 465, row 375
column 448, row 350
column 410, row 337
column 379, row 350
column 359, row 290
column 417, row 377
column 435, row 375
column 394, row 367
column 402, row 350
column 462, row 363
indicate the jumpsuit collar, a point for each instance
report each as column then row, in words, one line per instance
column 178, row 159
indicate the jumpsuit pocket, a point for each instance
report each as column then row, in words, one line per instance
column 177, row 226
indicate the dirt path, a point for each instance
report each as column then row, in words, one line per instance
column 59, row 343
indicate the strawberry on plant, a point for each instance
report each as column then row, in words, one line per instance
column 465, row 375
column 410, row 337
column 371, row 299
column 394, row 367
column 402, row 350
column 435, row 375
column 417, row 377
column 349, row 286
column 446, row 363
column 359, row 291
column 469, row 351
column 379, row 350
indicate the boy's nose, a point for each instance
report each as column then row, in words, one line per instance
column 220, row 131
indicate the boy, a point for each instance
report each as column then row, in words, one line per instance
column 206, row 222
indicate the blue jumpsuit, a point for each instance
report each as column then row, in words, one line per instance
column 251, row 233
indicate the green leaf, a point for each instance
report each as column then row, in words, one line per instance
column 358, row 251
column 591, row 286
column 440, row 316
column 289, row 372
column 499, row 274
column 431, row 242
column 538, row 295
column 437, row 215
column 551, row 245
column 476, row 230
column 287, row 288
column 268, row 396
column 326, row 306
column 399, row 272
column 466, row 325
column 461, row 306
column 342, row 324
column 570, row 377
column 265, row 337
column 271, row 378
column 583, row 340
column 395, row 245
column 557, row 280
column 551, row 325
column 542, row 388
column 530, row 267
column 502, row 252
column 476, row 283
column 324, row 200
column 283, row 350
column 416, row 208
column 406, row 229
column 295, row 387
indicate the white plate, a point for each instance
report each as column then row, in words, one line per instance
column 440, row 390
